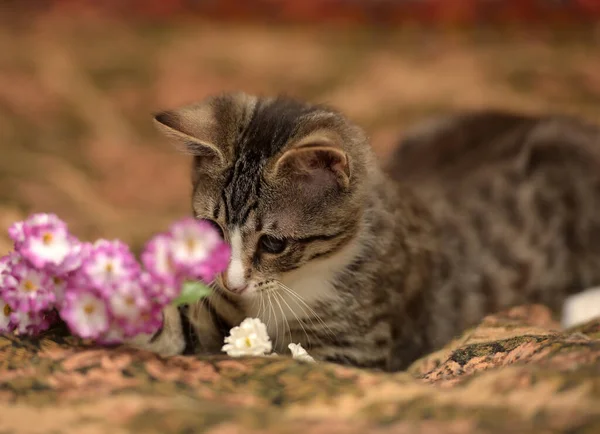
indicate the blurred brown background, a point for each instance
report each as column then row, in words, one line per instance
column 78, row 84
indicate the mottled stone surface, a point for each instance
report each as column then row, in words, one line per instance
column 515, row 372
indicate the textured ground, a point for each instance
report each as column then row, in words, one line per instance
column 513, row 373
column 76, row 97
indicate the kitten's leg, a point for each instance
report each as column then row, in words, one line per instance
column 581, row 308
column 168, row 341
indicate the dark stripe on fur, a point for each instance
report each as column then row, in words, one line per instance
column 216, row 211
column 221, row 323
column 323, row 254
column 188, row 331
column 322, row 237
column 158, row 332
column 224, row 196
column 248, row 211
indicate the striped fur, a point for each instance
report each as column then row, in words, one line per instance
column 476, row 212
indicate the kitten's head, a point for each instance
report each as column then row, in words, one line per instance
column 284, row 181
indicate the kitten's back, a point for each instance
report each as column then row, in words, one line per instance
column 516, row 199
column 459, row 144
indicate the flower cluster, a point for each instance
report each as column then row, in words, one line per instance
column 103, row 293
column 100, row 290
column 250, row 338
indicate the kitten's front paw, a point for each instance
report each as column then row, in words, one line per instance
column 169, row 341
column 581, row 308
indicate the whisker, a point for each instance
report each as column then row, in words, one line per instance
column 271, row 311
column 255, row 301
column 261, row 306
column 310, row 309
column 276, row 323
column 307, row 316
column 298, row 320
column 277, row 295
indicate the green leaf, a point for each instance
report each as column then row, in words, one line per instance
column 191, row 292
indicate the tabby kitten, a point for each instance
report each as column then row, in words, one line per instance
column 475, row 212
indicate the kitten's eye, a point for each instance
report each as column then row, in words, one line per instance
column 217, row 226
column 271, row 244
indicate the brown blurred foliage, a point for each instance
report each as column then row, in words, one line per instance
column 77, row 91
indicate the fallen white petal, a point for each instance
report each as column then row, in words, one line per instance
column 299, row 353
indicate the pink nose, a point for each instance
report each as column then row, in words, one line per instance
column 234, row 289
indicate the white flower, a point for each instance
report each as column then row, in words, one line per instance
column 300, row 353
column 250, row 338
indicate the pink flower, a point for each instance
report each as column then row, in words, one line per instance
column 7, row 261
column 107, row 263
column 149, row 321
column 193, row 241
column 158, row 260
column 45, row 242
column 112, row 336
column 133, row 308
column 29, row 289
column 6, row 265
column 77, row 254
column 192, row 249
column 16, row 233
column 6, row 325
column 46, row 246
column 218, row 261
column 86, row 313
column 58, row 285
column 127, row 301
column 32, row 323
column 161, row 292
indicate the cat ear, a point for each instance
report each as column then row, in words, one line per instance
column 318, row 162
column 194, row 130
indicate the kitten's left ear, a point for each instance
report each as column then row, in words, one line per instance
column 317, row 161
column 194, row 130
